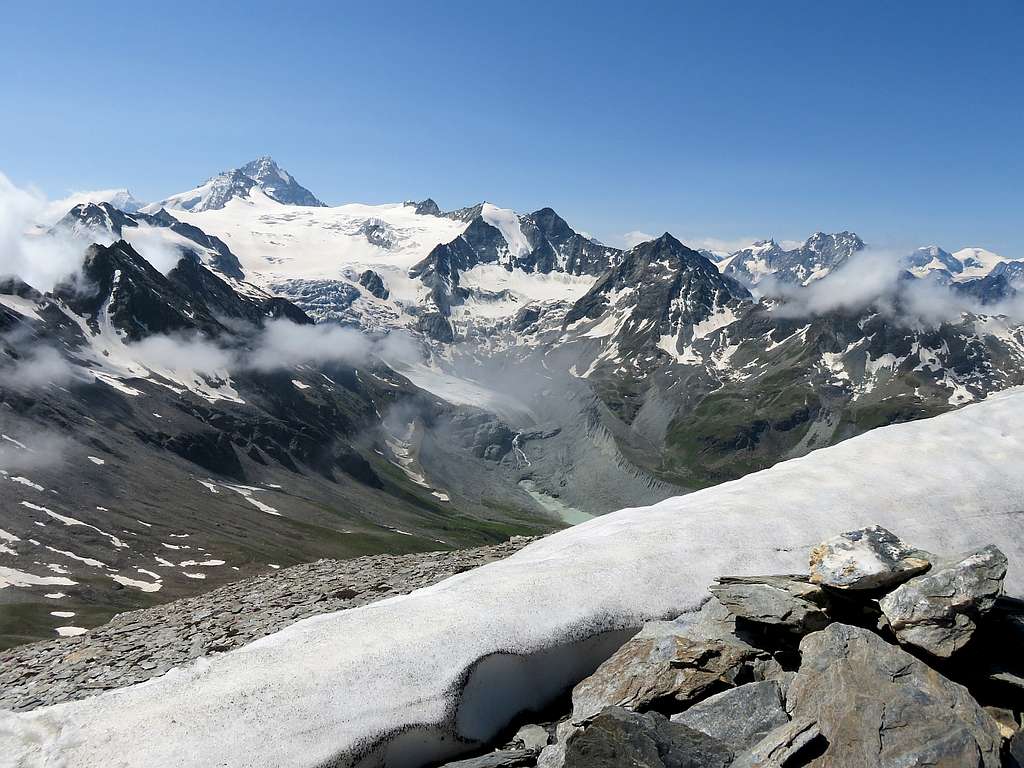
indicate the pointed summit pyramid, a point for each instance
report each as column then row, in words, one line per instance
column 275, row 182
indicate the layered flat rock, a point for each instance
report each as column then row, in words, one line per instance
column 782, row 747
column 877, row 705
column 938, row 612
column 867, row 558
column 788, row 603
column 502, row 758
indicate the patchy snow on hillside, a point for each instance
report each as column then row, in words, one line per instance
column 450, row 664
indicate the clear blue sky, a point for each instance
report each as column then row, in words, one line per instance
column 901, row 120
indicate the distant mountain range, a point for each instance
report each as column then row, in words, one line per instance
column 241, row 377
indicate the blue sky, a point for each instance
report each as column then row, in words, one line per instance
column 902, row 121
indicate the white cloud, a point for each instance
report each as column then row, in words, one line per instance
column 284, row 344
column 180, row 354
column 36, row 368
column 28, row 252
column 634, row 238
column 54, row 210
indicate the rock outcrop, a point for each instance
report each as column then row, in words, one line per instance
column 790, row 671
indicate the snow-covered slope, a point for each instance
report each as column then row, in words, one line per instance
column 977, row 262
column 459, row 659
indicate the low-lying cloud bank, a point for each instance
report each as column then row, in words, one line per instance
column 280, row 344
column 877, row 278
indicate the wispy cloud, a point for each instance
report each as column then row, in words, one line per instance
column 634, row 238
column 26, row 251
column 876, row 278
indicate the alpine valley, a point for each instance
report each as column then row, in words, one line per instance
column 240, row 377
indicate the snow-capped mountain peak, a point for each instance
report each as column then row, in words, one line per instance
column 278, row 184
column 814, row 259
column 977, row 262
column 262, row 173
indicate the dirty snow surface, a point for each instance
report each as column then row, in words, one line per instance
column 387, row 681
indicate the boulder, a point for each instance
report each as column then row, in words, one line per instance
column 938, row 612
column 739, row 717
column 532, row 737
column 617, row 737
column 679, row 662
column 876, row 705
column 780, row 748
column 868, row 558
column 786, row 603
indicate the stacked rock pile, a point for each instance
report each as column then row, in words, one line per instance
column 881, row 655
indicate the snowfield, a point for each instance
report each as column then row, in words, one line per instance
column 276, row 242
column 423, row 676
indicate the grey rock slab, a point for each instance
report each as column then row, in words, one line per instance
column 504, row 758
column 865, row 559
column 680, row 662
column 618, row 737
column 789, row 603
column 780, row 748
column 739, row 717
column 939, row 611
column 877, row 705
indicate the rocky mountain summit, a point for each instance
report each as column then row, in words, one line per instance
column 881, row 655
column 262, row 174
column 814, row 259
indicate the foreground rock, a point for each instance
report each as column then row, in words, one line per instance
column 677, row 662
column 877, row 705
column 939, row 611
column 869, row 558
column 618, row 737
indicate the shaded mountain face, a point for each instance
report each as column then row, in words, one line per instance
column 1004, row 283
column 659, row 290
column 817, row 257
column 263, row 174
column 537, row 243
